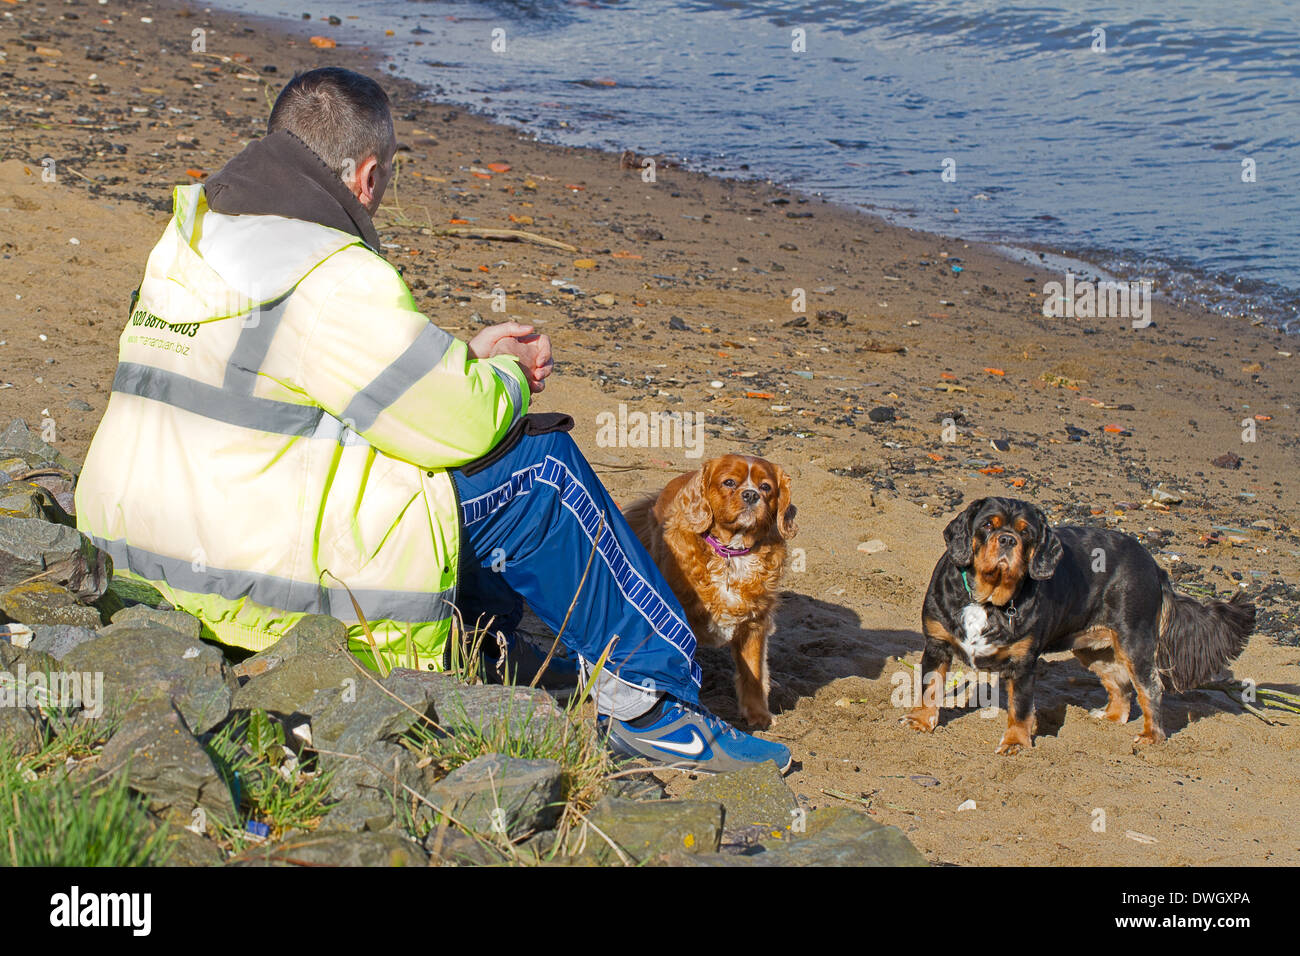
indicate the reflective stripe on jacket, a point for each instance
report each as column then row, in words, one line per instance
column 281, row 424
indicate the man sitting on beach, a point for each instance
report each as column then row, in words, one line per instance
column 287, row 433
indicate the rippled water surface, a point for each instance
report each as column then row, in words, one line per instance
column 1129, row 156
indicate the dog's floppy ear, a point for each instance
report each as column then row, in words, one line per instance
column 961, row 546
column 1047, row 551
column 785, row 511
column 693, row 501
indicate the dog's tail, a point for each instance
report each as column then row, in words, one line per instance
column 1197, row 640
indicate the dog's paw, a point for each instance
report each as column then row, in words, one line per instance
column 924, row 719
column 1105, row 713
column 1012, row 743
column 759, row 719
column 1148, row 737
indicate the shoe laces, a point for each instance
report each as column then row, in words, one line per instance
column 718, row 726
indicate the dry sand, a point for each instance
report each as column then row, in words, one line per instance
column 125, row 109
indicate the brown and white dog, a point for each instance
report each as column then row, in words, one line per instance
column 718, row 535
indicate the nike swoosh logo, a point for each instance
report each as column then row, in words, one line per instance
column 692, row 749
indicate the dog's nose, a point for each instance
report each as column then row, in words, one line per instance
column 1007, row 540
column 749, row 497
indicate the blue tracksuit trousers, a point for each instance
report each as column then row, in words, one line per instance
column 528, row 524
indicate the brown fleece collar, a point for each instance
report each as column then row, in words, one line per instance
column 280, row 175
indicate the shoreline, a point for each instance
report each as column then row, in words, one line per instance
column 686, row 283
column 1179, row 284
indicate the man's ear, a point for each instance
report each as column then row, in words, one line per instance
column 961, row 546
column 364, row 180
column 1047, row 552
column 693, row 501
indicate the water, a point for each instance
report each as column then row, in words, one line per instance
column 1130, row 158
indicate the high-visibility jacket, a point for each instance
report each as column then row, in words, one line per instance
column 279, row 431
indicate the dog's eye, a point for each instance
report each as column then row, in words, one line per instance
column 765, row 487
column 730, row 482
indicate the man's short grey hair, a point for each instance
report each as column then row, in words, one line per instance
column 342, row 116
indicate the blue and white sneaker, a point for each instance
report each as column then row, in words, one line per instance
column 689, row 737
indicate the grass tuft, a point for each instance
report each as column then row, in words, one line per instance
column 52, row 821
column 269, row 783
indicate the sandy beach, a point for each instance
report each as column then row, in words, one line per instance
column 882, row 399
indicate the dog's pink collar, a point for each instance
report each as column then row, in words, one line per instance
column 722, row 550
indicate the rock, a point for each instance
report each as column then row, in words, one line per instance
column 447, row 846
column 874, row 546
column 638, row 787
column 41, row 602
column 26, row 499
column 1227, row 460
column 26, row 680
column 290, row 687
column 834, row 836
column 283, row 678
column 353, row 717
column 646, row 234
column 644, row 831
column 604, row 299
column 678, row 324
column 61, row 555
column 882, row 413
column 131, row 591
column 315, row 634
column 60, row 639
column 151, row 661
column 107, row 604
column 369, row 790
column 32, row 660
column 184, row 847
column 162, row 760
column 755, row 796
column 966, row 805
column 19, row 635
column 139, row 615
column 1165, row 496
column 525, row 792
column 478, row 709
column 19, row 729
column 62, row 489
column 338, row 848
column 18, row 438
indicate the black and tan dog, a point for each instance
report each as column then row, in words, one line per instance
column 1011, row 588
